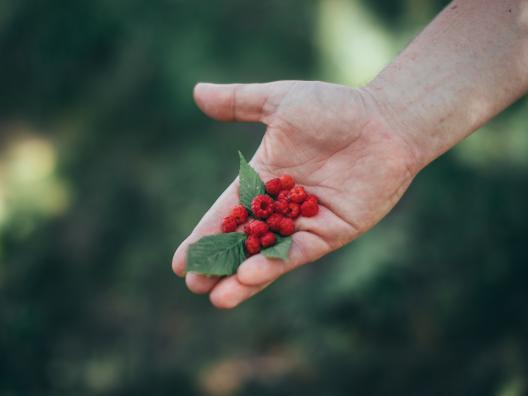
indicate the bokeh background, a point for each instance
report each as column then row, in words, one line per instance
column 106, row 165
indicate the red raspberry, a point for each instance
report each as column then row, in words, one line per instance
column 287, row 182
column 274, row 222
column 312, row 198
column 310, row 208
column 297, row 194
column 294, row 210
column 273, row 187
column 262, row 206
column 229, row 224
column 240, row 214
column 287, row 227
column 268, row 239
column 252, row 244
column 281, row 206
column 283, row 195
column 247, row 227
column 256, row 228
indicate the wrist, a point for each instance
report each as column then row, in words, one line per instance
column 398, row 118
column 464, row 68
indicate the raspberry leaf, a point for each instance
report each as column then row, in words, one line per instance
column 217, row 254
column 280, row 250
column 250, row 183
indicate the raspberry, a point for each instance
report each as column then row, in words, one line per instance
column 287, row 182
column 294, row 210
column 262, row 206
column 287, row 227
column 268, row 239
column 297, row 194
column 274, row 222
column 281, row 206
column 240, row 214
column 283, row 195
column 310, row 208
column 312, row 198
column 247, row 227
column 273, row 187
column 229, row 224
column 256, row 228
column 252, row 244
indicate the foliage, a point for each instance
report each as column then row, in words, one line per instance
column 219, row 254
column 280, row 250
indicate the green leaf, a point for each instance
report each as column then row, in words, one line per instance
column 217, row 254
column 250, row 183
column 280, row 250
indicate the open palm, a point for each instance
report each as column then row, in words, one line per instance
column 333, row 140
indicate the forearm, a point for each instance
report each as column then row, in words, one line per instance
column 469, row 64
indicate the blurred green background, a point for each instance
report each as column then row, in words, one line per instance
column 106, row 165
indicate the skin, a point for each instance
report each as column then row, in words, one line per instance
column 359, row 149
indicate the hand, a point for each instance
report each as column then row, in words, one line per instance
column 331, row 139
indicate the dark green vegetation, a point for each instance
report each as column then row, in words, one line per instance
column 106, row 165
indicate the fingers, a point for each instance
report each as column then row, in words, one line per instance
column 200, row 284
column 257, row 272
column 308, row 244
column 235, row 102
column 229, row 292
column 258, row 269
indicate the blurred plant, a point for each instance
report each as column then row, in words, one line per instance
column 101, row 151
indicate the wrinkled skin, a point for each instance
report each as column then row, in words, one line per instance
column 333, row 140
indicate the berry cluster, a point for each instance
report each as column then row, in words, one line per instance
column 274, row 213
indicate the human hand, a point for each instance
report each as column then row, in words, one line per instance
column 332, row 139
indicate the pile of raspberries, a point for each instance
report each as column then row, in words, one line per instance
column 272, row 215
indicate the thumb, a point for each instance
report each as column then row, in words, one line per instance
column 237, row 102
